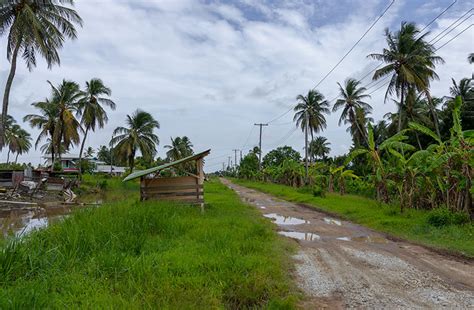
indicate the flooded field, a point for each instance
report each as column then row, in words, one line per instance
column 21, row 218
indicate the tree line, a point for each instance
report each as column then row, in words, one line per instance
column 420, row 156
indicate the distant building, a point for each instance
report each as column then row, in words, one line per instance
column 69, row 163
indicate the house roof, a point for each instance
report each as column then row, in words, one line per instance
column 165, row 166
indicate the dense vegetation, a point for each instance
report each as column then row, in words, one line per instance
column 421, row 157
column 439, row 228
column 134, row 255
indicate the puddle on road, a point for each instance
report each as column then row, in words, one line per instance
column 367, row 239
column 285, row 220
column 300, row 235
column 332, row 221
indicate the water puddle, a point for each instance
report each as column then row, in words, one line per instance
column 300, row 235
column 285, row 220
column 262, row 207
column 366, row 239
column 332, row 221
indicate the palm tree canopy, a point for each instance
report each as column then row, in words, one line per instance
column 138, row 135
column 319, row 147
column 310, row 111
column 91, row 104
column 409, row 59
column 37, row 26
column 179, row 148
column 351, row 96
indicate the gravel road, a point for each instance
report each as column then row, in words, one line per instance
column 343, row 265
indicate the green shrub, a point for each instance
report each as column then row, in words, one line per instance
column 319, row 191
column 443, row 217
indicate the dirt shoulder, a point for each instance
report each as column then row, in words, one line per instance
column 340, row 264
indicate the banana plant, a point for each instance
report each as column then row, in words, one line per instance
column 374, row 155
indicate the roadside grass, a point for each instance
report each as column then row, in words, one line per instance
column 129, row 254
column 411, row 225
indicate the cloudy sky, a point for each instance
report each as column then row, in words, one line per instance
column 211, row 69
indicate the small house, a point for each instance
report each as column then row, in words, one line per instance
column 187, row 188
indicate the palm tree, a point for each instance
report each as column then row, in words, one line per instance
column 179, row 148
column 9, row 124
column 89, row 152
column 309, row 116
column 91, row 109
column 137, row 136
column 19, row 141
column 57, row 118
column 352, row 98
column 46, row 121
column 410, row 62
column 470, row 58
column 319, row 147
column 34, row 26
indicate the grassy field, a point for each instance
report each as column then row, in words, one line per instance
column 129, row 254
column 412, row 225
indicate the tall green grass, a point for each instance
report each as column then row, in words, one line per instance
column 413, row 225
column 151, row 255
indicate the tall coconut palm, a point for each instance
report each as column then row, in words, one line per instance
column 351, row 98
column 410, row 62
column 34, row 27
column 358, row 129
column 309, row 115
column 57, row 118
column 319, row 148
column 90, row 107
column 139, row 135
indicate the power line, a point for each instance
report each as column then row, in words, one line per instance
column 451, row 30
column 439, row 15
column 452, row 24
column 455, row 37
column 248, row 137
column 355, row 44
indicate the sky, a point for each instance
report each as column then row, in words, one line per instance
column 211, row 69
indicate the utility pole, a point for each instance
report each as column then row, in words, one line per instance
column 235, row 154
column 260, row 145
column 223, row 166
column 228, row 162
column 240, row 156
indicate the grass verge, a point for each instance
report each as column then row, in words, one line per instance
column 412, row 225
column 151, row 255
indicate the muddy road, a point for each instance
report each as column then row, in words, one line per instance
column 343, row 265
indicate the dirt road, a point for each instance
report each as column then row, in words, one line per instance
column 343, row 265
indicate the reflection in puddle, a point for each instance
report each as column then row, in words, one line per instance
column 367, row 239
column 344, row 238
column 332, row 221
column 285, row 220
column 300, row 235
column 262, row 207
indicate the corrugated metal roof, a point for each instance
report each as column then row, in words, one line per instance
column 141, row 173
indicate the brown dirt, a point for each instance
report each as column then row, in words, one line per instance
column 343, row 265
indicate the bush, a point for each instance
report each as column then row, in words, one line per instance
column 319, row 191
column 443, row 217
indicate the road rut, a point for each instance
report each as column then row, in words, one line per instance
column 343, row 265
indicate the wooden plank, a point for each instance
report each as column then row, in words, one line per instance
column 187, row 180
column 173, row 187
column 187, row 200
column 173, row 194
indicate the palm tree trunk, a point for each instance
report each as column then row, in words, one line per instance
column 16, row 157
column 418, row 139
column 433, row 113
column 402, row 95
column 8, row 156
column 306, row 150
column 80, row 152
column 6, row 95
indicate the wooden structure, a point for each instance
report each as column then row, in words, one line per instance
column 188, row 189
column 11, row 178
